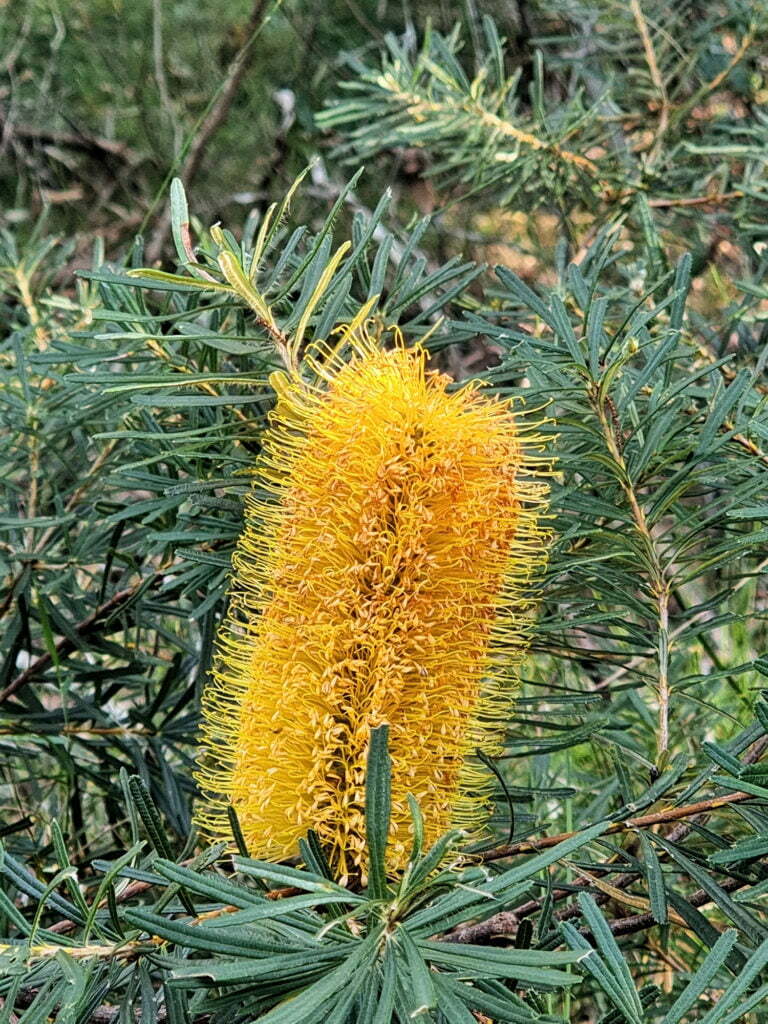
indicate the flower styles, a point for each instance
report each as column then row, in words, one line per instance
column 384, row 574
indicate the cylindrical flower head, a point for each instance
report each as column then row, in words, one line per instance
column 383, row 575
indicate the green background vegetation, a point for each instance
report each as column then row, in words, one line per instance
column 612, row 273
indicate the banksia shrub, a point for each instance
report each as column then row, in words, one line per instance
column 383, row 576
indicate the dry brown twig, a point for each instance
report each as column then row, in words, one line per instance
column 656, row 77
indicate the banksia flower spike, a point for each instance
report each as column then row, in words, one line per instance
column 383, row 575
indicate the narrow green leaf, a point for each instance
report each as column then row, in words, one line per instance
column 531, row 966
column 378, row 810
column 612, row 986
column 732, row 910
column 180, row 221
column 608, row 946
column 702, row 979
column 237, row 832
column 747, row 849
column 303, row 1007
column 386, row 1006
column 421, row 989
column 153, row 823
column 655, row 876
column 242, row 942
column 314, row 856
column 453, row 1008
column 281, row 874
column 754, row 968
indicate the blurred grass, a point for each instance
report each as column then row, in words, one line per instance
column 99, row 99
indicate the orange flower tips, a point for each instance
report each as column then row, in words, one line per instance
column 384, row 574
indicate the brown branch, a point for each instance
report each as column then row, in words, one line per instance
column 93, row 145
column 505, row 923
column 645, row 821
column 500, row 926
column 218, row 113
column 684, row 829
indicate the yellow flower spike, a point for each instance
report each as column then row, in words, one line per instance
column 383, row 575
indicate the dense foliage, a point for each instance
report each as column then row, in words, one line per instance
column 627, row 880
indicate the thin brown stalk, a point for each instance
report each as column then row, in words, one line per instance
column 645, row 821
column 714, row 83
column 656, row 77
column 660, row 586
column 713, row 198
